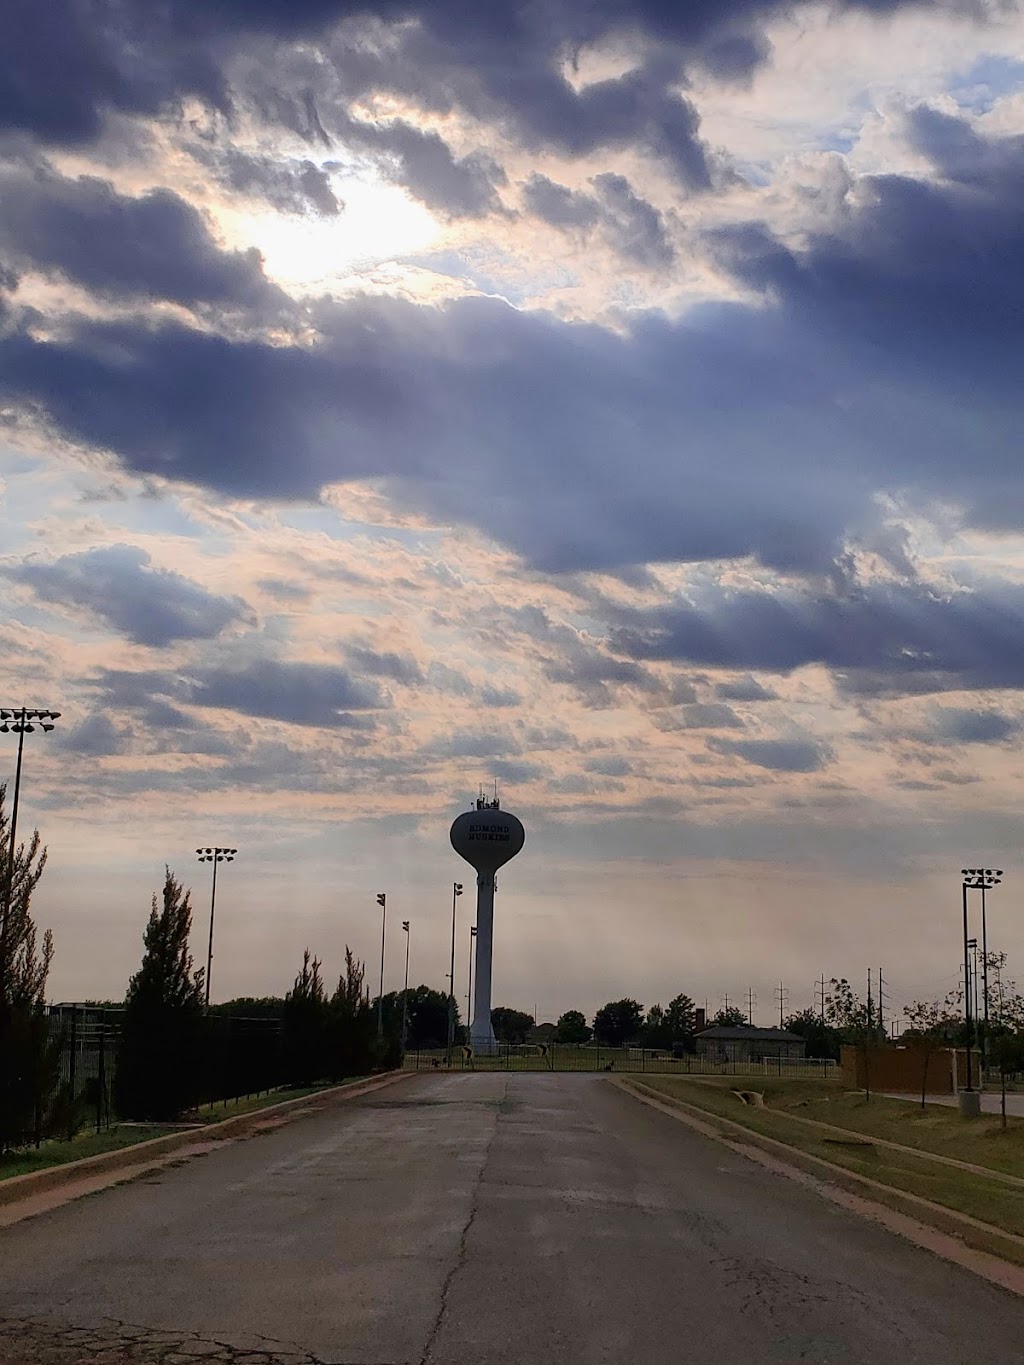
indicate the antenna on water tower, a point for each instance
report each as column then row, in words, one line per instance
column 487, row 838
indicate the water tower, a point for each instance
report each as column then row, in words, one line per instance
column 487, row 838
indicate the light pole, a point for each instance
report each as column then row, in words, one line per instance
column 215, row 856
column 405, row 992
column 382, row 902
column 469, row 992
column 973, row 879
column 21, row 721
column 456, row 893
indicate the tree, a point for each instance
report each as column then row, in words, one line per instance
column 932, row 1024
column 729, row 1017
column 509, row 1025
column 856, row 1022
column 572, row 1028
column 618, row 1022
column 28, row 1057
column 157, row 1075
column 427, row 1018
column 304, row 1021
column 654, row 1031
column 681, row 1019
column 354, row 1049
column 820, row 1038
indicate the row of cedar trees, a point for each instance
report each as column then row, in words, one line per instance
column 163, row 1032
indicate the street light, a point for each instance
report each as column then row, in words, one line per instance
column 382, row 901
column 405, row 993
column 456, row 893
column 215, row 856
column 973, row 879
column 21, row 721
column 469, row 992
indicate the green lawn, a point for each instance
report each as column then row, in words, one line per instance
column 54, row 1152
column 937, row 1130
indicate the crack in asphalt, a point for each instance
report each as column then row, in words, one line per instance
column 503, row 1107
column 32, row 1341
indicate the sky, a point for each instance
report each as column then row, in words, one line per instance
column 617, row 402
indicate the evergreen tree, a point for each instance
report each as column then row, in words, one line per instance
column 305, row 1025
column 28, row 1056
column 158, row 1069
column 354, row 1049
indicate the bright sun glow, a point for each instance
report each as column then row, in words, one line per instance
column 379, row 223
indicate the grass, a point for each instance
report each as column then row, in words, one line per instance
column 937, row 1130
column 58, row 1152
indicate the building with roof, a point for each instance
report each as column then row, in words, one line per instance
column 743, row 1043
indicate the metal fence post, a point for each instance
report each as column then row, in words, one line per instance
column 72, row 1072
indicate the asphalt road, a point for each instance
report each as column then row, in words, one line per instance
column 483, row 1220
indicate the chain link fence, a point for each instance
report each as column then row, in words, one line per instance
column 593, row 1057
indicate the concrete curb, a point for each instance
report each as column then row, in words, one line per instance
column 971, row 1232
column 18, row 1187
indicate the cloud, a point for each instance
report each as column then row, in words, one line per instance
column 118, row 585
column 745, row 688
column 298, row 693
column 96, row 737
column 153, row 246
column 290, row 186
column 402, row 668
column 709, row 716
column 499, row 696
column 778, row 755
column 959, row 725
column 633, row 227
column 882, row 638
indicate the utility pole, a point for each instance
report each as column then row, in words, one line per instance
column 781, row 996
column 750, row 1006
column 382, row 901
column 881, row 1003
column 821, row 982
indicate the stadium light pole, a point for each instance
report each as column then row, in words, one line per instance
column 22, row 721
column 382, row 901
column 405, row 992
column 469, row 992
column 973, row 879
column 214, row 856
column 456, row 893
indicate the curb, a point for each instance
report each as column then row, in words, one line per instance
column 970, row 1232
column 18, row 1187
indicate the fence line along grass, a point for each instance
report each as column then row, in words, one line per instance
column 566, row 1057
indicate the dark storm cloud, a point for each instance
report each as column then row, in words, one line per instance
column 559, row 206
column 298, row 693
column 65, row 63
column 118, row 585
column 882, row 638
column 632, row 226
column 778, row 755
column 884, row 361
column 156, row 246
column 291, row 187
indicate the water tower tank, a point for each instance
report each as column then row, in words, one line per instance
column 487, row 838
